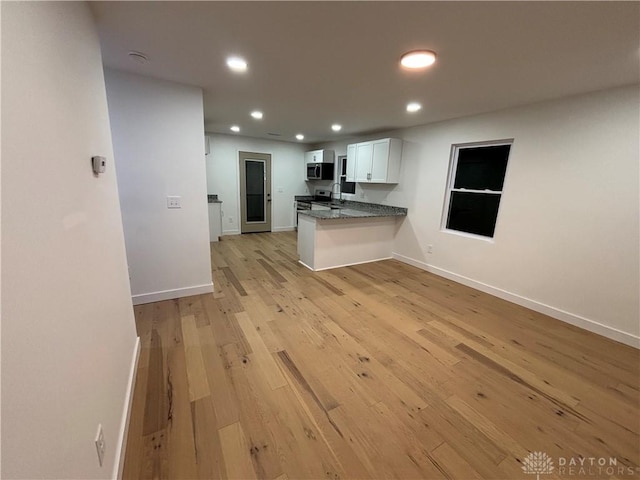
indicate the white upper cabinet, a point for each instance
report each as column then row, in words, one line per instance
column 364, row 156
column 319, row 156
column 351, row 163
column 376, row 161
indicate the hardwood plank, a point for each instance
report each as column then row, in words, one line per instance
column 234, row 280
column 196, row 372
column 487, row 427
column 208, row 448
column 261, row 352
column 193, row 306
column 452, row 464
column 235, row 451
column 320, row 396
column 270, row 444
column 272, row 271
column 135, row 438
column 223, row 398
column 521, row 376
column 180, row 440
column 318, row 415
column 155, row 413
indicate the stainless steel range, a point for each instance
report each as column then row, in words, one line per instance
column 321, row 200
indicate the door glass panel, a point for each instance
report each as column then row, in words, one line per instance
column 255, row 190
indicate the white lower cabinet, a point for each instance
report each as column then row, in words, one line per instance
column 215, row 221
column 376, row 161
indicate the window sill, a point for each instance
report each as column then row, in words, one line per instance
column 469, row 235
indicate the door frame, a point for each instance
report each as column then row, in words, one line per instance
column 254, row 227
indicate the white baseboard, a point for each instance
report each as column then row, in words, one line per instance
column 305, row 265
column 344, row 265
column 274, row 229
column 171, row 294
column 121, row 446
column 567, row 317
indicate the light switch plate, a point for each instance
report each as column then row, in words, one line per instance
column 174, row 202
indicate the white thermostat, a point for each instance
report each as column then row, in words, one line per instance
column 99, row 164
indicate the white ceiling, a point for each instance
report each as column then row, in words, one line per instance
column 312, row 64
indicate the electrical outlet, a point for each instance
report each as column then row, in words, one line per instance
column 429, row 248
column 100, row 446
column 230, row 220
column 280, row 190
column 174, row 202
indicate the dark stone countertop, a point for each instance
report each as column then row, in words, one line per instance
column 213, row 199
column 350, row 209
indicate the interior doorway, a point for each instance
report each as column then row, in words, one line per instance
column 255, row 192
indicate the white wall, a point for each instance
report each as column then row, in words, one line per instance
column 158, row 140
column 68, row 334
column 287, row 174
column 566, row 240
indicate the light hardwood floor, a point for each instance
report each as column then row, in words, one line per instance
column 374, row 371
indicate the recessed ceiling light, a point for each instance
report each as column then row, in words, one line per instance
column 237, row 64
column 418, row 59
column 413, row 107
column 300, row 136
column 256, row 114
column 138, row 57
column 336, row 127
column 235, row 128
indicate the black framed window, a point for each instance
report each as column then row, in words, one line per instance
column 475, row 186
column 345, row 187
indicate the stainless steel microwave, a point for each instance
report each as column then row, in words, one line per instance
column 319, row 171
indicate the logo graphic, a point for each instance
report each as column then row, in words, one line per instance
column 537, row 463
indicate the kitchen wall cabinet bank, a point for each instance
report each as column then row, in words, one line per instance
column 376, row 161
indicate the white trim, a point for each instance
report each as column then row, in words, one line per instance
column 305, row 265
column 121, row 446
column 283, row 229
column 273, row 229
column 171, row 294
column 485, row 191
column 469, row 235
column 345, row 264
column 567, row 317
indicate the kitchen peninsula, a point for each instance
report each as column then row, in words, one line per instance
column 347, row 234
